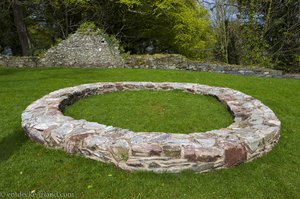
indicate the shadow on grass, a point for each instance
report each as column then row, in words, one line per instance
column 7, row 71
column 11, row 144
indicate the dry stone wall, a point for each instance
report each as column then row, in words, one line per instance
column 165, row 62
column 254, row 132
column 20, row 62
column 178, row 62
column 88, row 49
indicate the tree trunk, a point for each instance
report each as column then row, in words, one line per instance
column 21, row 27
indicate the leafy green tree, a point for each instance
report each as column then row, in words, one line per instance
column 277, row 25
column 179, row 26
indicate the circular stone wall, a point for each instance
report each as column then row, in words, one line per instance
column 254, row 132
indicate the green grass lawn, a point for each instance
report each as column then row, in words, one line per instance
column 27, row 166
column 153, row 111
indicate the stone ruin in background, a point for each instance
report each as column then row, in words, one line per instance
column 91, row 49
column 83, row 49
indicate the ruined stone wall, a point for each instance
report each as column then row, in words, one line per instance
column 20, row 62
column 179, row 62
column 89, row 51
column 83, row 50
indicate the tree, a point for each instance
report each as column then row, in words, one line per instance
column 8, row 33
column 283, row 32
column 21, row 27
column 277, row 24
column 179, row 26
column 248, row 32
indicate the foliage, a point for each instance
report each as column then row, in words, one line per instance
column 177, row 26
column 87, row 26
column 248, row 32
column 8, row 36
column 76, row 2
column 253, row 48
column 90, row 28
column 253, row 32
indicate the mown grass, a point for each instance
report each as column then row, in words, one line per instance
column 27, row 166
column 153, row 111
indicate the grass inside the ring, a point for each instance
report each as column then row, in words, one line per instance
column 153, row 111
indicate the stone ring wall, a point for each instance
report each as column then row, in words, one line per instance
column 254, row 132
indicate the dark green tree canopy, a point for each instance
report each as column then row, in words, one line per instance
column 248, row 32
